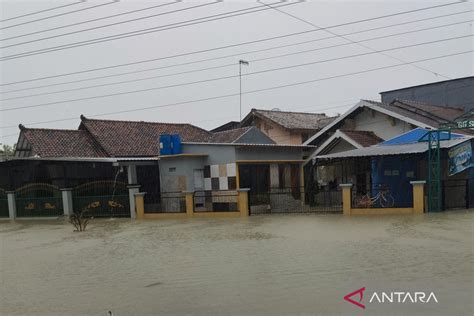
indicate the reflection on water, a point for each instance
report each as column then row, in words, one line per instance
column 299, row 264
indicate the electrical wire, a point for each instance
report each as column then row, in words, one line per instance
column 242, row 53
column 222, row 47
column 235, row 94
column 42, row 11
column 160, row 28
column 92, row 20
column 60, row 14
column 232, row 76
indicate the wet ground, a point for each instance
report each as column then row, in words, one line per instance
column 262, row 265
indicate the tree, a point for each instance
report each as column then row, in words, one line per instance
column 7, row 151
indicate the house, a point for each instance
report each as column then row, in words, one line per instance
column 106, row 157
column 393, row 165
column 457, row 93
column 286, row 127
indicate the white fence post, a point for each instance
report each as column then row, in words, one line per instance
column 67, row 201
column 11, row 204
column 132, row 189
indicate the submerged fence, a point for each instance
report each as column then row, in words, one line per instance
column 102, row 199
column 216, row 201
column 38, row 200
column 295, row 200
column 168, row 202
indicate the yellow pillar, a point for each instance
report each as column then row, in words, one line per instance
column 244, row 202
column 140, row 204
column 418, row 197
column 346, row 198
column 189, row 196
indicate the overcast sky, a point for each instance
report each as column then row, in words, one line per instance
column 329, row 95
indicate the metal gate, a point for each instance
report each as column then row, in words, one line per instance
column 295, row 200
column 38, row 200
column 102, row 199
column 3, row 204
column 455, row 194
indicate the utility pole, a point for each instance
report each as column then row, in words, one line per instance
column 245, row 63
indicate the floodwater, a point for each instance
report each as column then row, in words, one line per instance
column 261, row 265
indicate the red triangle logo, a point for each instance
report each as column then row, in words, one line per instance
column 361, row 296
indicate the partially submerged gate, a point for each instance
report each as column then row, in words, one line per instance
column 295, row 200
column 102, row 199
column 3, row 204
column 38, row 200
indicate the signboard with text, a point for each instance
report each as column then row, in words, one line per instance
column 460, row 158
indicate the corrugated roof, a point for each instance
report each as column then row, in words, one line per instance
column 61, row 143
column 291, row 120
column 386, row 150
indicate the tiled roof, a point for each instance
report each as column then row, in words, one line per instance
column 425, row 113
column 364, row 138
column 291, row 120
column 227, row 126
column 229, row 136
column 61, row 143
column 138, row 138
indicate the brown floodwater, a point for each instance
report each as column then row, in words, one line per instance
column 261, row 265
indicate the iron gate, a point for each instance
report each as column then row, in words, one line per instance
column 102, row 199
column 455, row 194
column 295, row 200
column 38, row 200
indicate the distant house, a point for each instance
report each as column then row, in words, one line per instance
column 457, row 92
column 286, row 127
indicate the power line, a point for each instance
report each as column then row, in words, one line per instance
column 247, row 52
column 92, row 20
column 350, row 40
column 152, row 30
column 111, row 24
column 42, row 11
column 60, row 14
column 224, row 47
column 221, row 78
column 226, row 77
column 160, row 28
column 274, row 87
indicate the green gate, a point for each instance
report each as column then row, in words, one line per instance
column 102, row 199
column 3, row 204
column 38, row 200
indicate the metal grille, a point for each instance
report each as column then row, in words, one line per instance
column 295, row 200
column 169, row 202
column 376, row 195
column 216, row 201
column 102, row 199
column 38, row 200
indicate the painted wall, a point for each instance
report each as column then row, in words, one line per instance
column 268, row 153
column 177, row 173
column 341, row 146
column 277, row 133
column 255, row 136
column 382, row 125
column 455, row 93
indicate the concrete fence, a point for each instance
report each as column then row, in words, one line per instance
column 417, row 206
column 242, row 208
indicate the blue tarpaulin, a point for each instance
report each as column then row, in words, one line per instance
column 415, row 135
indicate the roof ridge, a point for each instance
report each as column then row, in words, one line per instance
column 24, row 128
column 83, row 118
column 295, row 112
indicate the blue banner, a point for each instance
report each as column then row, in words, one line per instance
column 460, row 158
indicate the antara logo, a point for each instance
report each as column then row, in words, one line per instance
column 390, row 297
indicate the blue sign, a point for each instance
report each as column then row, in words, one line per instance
column 460, row 158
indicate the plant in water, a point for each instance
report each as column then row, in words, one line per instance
column 80, row 220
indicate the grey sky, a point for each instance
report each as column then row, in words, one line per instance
column 330, row 96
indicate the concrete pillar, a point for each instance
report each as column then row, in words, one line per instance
column 132, row 174
column 302, row 189
column 139, row 199
column 189, row 196
column 67, row 201
column 418, row 196
column 346, row 198
column 11, row 204
column 244, row 202
column 132, row 190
